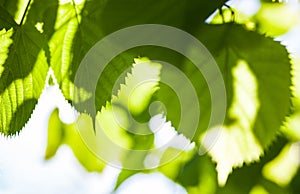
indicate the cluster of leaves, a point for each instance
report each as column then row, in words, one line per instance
column 257, row 71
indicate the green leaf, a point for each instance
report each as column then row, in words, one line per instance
column 143, row 80
column 139, row 82
column 60, row 133
column 116, row 117
column 204, row 172
column 256, row 71
column 291, row 127
column 23, row 73
column 113, row 124
column 37, row 34
column 236, row 181
column 275, row 19
column 283, row 168
column 186, row 15
column 183, row 14
column 294, row 184
column 81, row 25
column 64, row 59
column 258, row 95
column 55, row 134
column 15, row 8
column 174, row 167
column 6, row 19
column 198, row 175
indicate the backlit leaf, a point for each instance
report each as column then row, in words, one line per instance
column 258, row 100
column 23, row 72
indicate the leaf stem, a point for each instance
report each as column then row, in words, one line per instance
column 76, row 12
column 24, row 14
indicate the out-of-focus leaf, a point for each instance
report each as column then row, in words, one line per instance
column 172, row 151
column 199, row 175
column 291, row 127
column 173, row 168
column 112, row 123
column 229, row 15
column 144, row 80
column 60, row 133
column 276, row 19
column 55, row 134
column 295, row 183
column 283, row 168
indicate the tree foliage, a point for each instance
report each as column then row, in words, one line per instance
column 261, row 82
